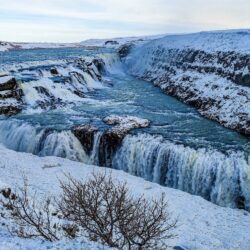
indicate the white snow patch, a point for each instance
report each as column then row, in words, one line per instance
column 202, row 225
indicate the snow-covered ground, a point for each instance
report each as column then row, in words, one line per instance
column 110, row 43
column 7, row 46
column 202, row 225
column 117, row 42
column 225, row 40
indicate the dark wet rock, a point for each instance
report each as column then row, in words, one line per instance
column 85, row 134
column 109, row 143
column 10, row 110
column 8, row 85
column 113, row 137
column 43, row 91
column 54, row 71
column 111, row 42
column 125, row 49
column 179, row 248
column 240, row 202
column 100, row 65
column 79, row 93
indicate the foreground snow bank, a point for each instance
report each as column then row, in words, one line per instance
column 202, row 225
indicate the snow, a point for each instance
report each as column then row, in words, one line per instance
column 126, row 122
column 5, row 79
column 229, row 40
column 117, row 42
column 7, row 46
column 202, row 225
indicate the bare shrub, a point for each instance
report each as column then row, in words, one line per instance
column 107, row 212
column 30, row 218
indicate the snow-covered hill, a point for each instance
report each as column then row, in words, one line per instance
column 119, row 41
column 202, row 225
column 208, row 70
column 7, row 46
column 110, row 43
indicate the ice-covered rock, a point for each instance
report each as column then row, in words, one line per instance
column 126, row 122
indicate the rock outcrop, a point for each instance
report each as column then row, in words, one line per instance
column 10, row 96
column 110, row 139
column 85, row 134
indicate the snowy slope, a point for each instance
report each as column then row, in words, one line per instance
column 228, row 40
column 202, row 225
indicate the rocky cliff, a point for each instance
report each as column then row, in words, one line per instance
column 210, row 71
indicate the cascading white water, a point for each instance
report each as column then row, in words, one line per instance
column 23, row 137
column 215, row 176
column 63, row 144
column 112, row 62
column 94, row 156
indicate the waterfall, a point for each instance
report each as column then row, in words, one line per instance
column 23, row 137
column 219, row 178
column 94, row 156
column 112, row 62
column 223, row 179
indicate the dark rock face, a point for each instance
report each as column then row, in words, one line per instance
column 54, row 71
column 10, row 97
column 9, row 110
column 9, row 85
column 111, row 42
column 109, row 143
column 85, row 134
column 125, row 49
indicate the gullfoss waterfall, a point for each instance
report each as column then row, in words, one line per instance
column 179, row 148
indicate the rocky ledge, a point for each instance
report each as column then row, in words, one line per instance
column 109, row 140
column 10, row 95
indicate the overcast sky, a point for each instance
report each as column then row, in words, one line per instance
column 77, row 20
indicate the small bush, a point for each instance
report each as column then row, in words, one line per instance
column 107, row 212
column 30, row 218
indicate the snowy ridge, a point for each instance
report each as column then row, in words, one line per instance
column 228, row 40
column 117, row 42
column 8, row 46
column 202, row 225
